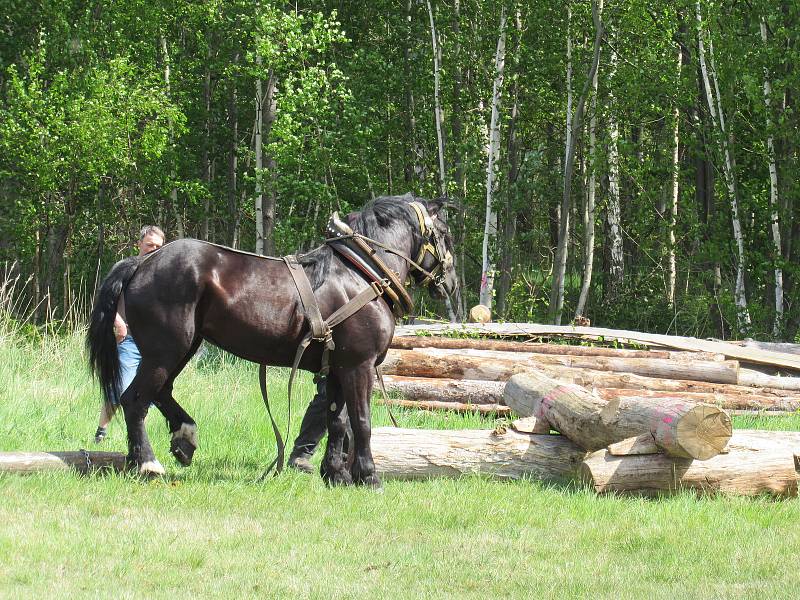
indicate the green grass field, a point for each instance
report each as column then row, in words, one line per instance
column 212, row 530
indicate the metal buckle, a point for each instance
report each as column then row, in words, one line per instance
column 379, row 286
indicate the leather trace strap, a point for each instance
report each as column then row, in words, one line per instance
column 278, row 462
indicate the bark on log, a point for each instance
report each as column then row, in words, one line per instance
column 412, row 342
column 736, row 400
column 757, row 462
column 678, row 427
column 446, row 390
column 422, row 454
column 710, row 371
column 460, row 407
column 81, row 461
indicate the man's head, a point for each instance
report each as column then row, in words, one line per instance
column 151, row 238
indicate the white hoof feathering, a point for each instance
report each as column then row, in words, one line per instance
column 151, row 467
column 188, row 431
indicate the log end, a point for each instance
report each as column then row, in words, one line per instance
column 704, row 431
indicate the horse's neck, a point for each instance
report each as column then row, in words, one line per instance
column 393, row 261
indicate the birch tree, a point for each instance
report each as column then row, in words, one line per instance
column 773, row 193
column 674, row 191
column 438, row 114
column 493, row 154
column 613, row 212
column 259, row 202
column 718, row 121
column 560, row 263
column 589, row 206
column 173, row 194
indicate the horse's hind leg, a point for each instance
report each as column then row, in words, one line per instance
column 135, row 403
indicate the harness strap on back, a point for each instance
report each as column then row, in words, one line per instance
column 319, row 329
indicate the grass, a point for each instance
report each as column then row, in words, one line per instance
column 213, row 530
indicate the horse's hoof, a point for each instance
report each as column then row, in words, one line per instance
column 337, row 478
column 182, row 450
column 151, row 468
column 372, row 481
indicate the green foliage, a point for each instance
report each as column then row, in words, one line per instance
column 93, row 141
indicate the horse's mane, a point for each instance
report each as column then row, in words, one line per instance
column 379, row 218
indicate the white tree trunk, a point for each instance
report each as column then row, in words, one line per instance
column 173, row 194
column 493, row 154
column 672, row 270
column 613, row 214
column 560, row 262
column 259, row 166
column 773, row 195
column 438, row 115
column 718, row 120
column 588, row 212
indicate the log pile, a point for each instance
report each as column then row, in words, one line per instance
column 466, row 371
column 651, row 421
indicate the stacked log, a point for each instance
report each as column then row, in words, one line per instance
column 488, row 364
column 503, row 454
column 679, row 428
column 756, row 462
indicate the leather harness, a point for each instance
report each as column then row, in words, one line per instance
column 359, row 251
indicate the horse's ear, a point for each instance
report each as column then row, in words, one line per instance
column 434, row 206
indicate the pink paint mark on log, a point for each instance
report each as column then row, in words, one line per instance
column 667, row 419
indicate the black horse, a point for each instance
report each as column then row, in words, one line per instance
column 250, row 306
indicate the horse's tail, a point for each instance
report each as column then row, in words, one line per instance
column 100, row 339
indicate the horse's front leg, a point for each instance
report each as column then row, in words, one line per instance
column 334, row 464
column 357, row 391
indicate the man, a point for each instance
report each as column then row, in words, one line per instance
column 151, row 238
column 312, row 430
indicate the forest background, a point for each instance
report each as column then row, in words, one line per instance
column 633, row 162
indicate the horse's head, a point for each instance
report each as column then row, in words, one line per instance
column 434, row 253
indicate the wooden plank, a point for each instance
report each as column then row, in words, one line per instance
column 748, row 353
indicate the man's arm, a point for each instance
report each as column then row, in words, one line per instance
column 120, row 328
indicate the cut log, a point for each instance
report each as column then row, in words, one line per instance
column 81, row 461
column 699, row 370
column 752, row 377
column 530, row 330
column 678, row 427
column 736, row 400
column 443, row 363
column 757, row 462
column 412, row 342
column 423, row 454
column 460, row 407
column 446, row 390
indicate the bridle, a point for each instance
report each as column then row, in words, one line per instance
column 432, row 243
